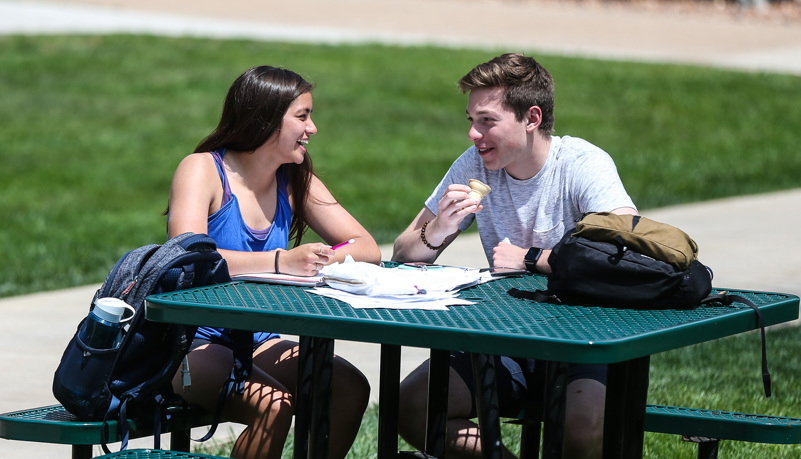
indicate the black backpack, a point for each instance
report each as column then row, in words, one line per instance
column 627, row 261
column 134, row 379
column 609, row 273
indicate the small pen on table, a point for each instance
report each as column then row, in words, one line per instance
column 343, row 244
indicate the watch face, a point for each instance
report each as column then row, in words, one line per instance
column 533, row 254
column 531, row 258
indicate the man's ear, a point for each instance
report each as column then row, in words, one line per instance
column 534, row 118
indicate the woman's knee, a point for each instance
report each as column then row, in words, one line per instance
column 203, row 375
column 280, row 408
column 261, row 406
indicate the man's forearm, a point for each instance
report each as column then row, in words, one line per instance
column 409, row 247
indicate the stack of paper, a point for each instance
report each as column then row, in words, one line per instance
column 373, row 280
column 365, row 285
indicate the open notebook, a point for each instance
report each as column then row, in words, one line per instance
column 282, row 279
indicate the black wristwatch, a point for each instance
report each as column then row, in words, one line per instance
column 531, row 259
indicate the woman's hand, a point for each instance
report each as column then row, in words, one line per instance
column 305, row 260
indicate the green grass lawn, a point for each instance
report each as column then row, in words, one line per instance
column 92, row 128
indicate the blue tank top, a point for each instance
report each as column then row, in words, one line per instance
column 230, row 232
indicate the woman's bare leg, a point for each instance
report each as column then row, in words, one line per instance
column 266, row 407
column 350, row 391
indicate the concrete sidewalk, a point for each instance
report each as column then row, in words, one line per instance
column 749, row 242
column 571, row 28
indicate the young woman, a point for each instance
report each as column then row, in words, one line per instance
column 251, row 187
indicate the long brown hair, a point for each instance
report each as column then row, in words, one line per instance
column 252, row 113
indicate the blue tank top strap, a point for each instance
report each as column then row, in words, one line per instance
column 218, row 161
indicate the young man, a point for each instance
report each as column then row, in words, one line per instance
column 540, row 185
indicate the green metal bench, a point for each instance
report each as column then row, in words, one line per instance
column 154, row 454
column 705, row 427
column 708, row 427
column 53, row 424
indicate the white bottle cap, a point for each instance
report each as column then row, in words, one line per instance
column 109, row 309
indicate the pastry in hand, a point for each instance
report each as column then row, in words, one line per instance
column 478, row 189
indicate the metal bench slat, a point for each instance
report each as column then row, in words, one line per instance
column 723, row 425
column 154, row 454
column 53, row 424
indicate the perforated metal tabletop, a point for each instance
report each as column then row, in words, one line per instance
column 497, row 324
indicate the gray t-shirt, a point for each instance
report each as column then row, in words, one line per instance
column 578, row 177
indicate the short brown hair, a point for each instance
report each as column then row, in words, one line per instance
column 525, row 83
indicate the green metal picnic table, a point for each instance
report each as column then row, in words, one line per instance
column 497, row 324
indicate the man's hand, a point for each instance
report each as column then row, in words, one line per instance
column 506, row 255
column 440, row 229
column 453, row 207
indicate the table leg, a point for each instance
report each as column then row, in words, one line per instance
column 555, row 391
column 303, row 397
column 321, row 398
column 637, row 396
column 438, row 379
column 487, row 405
column 624, row 414
column 533, row 413
column 389, row 385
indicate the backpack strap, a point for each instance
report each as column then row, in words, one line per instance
column 539, row 296
column 228, row 388
column 122, row 425
column 242, row 346
column 160, row 417
column 726, row 300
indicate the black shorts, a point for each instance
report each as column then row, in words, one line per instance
column 512, row 377
column 197, row 342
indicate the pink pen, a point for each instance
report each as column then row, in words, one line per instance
column 343, row 244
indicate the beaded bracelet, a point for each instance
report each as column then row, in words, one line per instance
column 423, row 237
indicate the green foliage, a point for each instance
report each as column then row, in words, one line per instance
column 93, row 127
column 683, row 134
